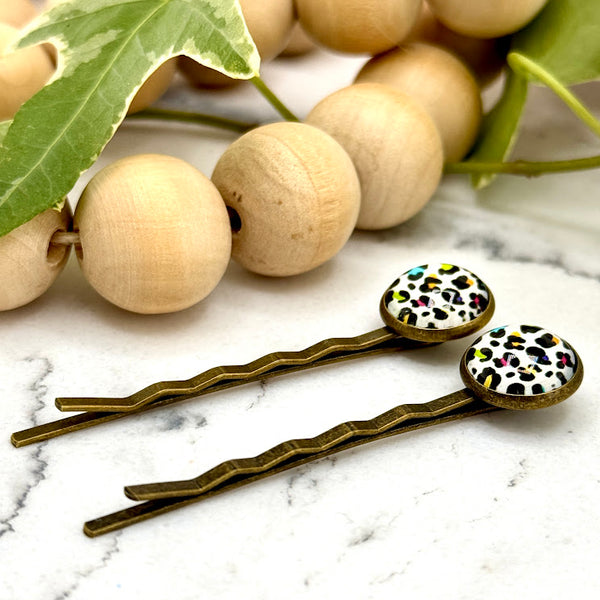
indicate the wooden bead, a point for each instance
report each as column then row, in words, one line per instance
column 485, row 19
column 299, row 43
column 371, row 26
column 293, row 195
column 440, row 83
column 270, row 24
column 22, row 73
column 29, row 261
column 154, row 233
column 485, row 57
column 154, row 87
column 393, row 144
column 17, row 13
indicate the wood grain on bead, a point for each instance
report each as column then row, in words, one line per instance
column 22, row 73
column 154, row 87
column 394, row 145
column 17, row 13
column 358, row 26
column 485, row 19
column 294, row 195
column 29, row 261
column 270, row 24
column 154, row 234
column 485, row 57
column 442, row 85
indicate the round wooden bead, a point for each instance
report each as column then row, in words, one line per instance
column 29, row 260
column 154, row 233
column 442, row 85
column 17, row 13
column 484, row 19
column 270, row 24
column 22, row 73
column 293, row 195
column 393, row 144
column 154, row 87
column 371, row 26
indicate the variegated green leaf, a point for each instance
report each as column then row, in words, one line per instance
column 107, row 48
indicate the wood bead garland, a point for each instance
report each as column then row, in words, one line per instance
column 370, row 26
column 293, row 194
column 442, row 85
column 154, row 234
column 22, row 73
column 29, row 261
column 394, row 145
column 154, row 87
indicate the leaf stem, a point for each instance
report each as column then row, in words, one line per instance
column 279, row 106
column 523, row 167
column 192, row 117
column 522, row 64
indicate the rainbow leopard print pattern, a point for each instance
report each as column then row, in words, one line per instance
column 436, row 296
column 521, row 360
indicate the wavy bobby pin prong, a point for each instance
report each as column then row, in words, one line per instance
column 427, row 304
column 516, row 367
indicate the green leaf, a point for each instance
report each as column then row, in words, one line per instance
column 499, row 128
column 108, row 48
column 564, row 40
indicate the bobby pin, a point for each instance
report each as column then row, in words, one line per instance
column 425, row 305
column 510, row 367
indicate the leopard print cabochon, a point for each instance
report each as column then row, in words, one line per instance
column 521, row 360
column 436, row 296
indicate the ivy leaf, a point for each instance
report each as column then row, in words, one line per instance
column 564, row 42
column 108, row 48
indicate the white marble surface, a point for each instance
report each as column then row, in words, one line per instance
column 498, row 506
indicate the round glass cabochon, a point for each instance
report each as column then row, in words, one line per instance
column 436, row 296
column 521, row 360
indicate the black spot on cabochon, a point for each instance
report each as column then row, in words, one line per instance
column 389, row 296
column 488, row 372
column 561, row 378
column 407, row 312
column 526, row 375
column 513, row 341
column 508, row 360
column 453, row 269
column 417, row 273
column 430, row 284
column 483, row 354
column 529, row 329
column 537, row 388
column 494, row 343
column 411, row 286
column 518, row 389
column 478, row 301
column 538, row 354
column 453, row 296
column 546, row 341
column 462, row 282
column 498, row 333
column 396, row 282
column 422, row 301
column 439, row 314
column 564, row 360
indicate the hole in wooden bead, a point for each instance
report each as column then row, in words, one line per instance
column 234, row 219
column 57, row 249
